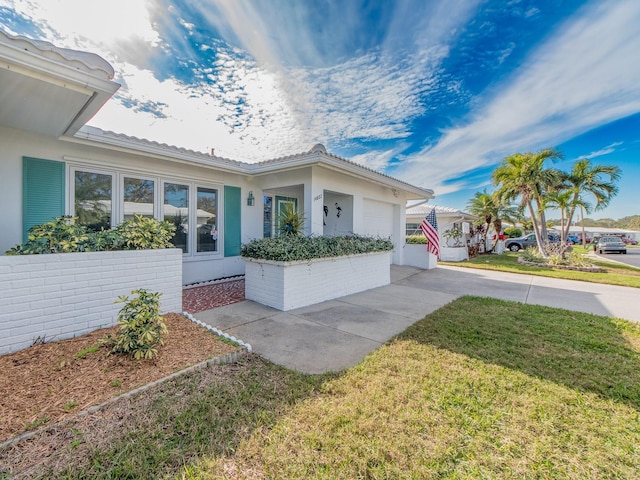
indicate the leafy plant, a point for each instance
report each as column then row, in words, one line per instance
column 61, row 235
column 291, row 248
column 416, row 240
column 66, row 235
column 454, row 233
column 290, row 221
column 86, row 351
column 141, row 326
column 141, row 233
column 70, row 406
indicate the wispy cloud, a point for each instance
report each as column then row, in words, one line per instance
column 584, row 76
column 604, row 151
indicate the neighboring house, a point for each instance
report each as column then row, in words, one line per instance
column 448, row 218
column 52, row 164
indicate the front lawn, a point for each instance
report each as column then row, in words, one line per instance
column 614, row 273
column 481, row 388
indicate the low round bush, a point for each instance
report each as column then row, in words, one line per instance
column 292, row 248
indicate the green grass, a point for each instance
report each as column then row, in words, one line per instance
column 481, row 388
column 614, row 274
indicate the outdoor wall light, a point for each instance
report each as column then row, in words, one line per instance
column 251, row 199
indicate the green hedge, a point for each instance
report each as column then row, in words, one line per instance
column 290, row 248
column 416, row 240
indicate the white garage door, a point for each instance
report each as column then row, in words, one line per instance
column 378, row 218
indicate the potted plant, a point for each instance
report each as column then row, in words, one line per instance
column 456, row 252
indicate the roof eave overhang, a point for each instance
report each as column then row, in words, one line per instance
column 25, row 60
column 133, row 147
column 329, row 161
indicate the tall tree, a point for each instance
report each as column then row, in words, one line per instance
column 523, row 177
column 494, row 211
column 589, row 180
column 482, row 205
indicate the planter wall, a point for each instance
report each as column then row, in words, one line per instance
column 58, row 296
column 289, row 285
column 454, row 254
column 418, row 256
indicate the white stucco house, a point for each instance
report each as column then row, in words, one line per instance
column 447, row 218
column 53, row 164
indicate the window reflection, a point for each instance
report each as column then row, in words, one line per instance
column 138, row 197
column 175, row 209
column 207, row 219
column 92, row 194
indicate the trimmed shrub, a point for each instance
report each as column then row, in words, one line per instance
column 416, row 240
column 292, row 248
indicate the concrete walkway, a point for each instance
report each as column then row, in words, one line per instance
column 337, row 334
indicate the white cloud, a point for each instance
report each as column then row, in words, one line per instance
column 585, row 76
column 82, row 24
column 604, row 151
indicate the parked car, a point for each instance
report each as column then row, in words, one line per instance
column 629, row 241
column 611, row 244
column 573, row 239
column 520, row 243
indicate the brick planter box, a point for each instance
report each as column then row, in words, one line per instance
column 289, row 285
column 58, row 296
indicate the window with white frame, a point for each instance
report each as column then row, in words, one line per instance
column 93, row 199
column 207, row 209
column 102, row 199
column 175, row 209
column 138, row 197
column 413, row 229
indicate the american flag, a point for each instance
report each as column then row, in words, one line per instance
column 429, row 227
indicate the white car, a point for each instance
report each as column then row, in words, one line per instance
column 611, row 244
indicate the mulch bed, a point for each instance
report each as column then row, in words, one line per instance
column 44, row 384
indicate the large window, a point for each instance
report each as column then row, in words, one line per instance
column 175, row 209
column 102, row 199
column 138, row 197
column 207, row 200
column 93, row 203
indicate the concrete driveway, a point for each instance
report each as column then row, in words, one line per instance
column 338, row 334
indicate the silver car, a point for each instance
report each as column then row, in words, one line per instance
column 611, row 244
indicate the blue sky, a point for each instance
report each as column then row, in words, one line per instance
column 436, row 93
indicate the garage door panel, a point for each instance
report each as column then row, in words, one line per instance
column 378, row 218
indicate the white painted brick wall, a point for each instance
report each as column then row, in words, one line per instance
column 63, row 295
column 289, row 285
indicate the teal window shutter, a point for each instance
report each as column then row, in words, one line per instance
column 43, row 192
column 232, row 223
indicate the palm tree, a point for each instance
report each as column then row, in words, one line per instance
column 483, row 205
column 586, row 179
column 523, row 176
column 561, row 199
column 490, row 208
